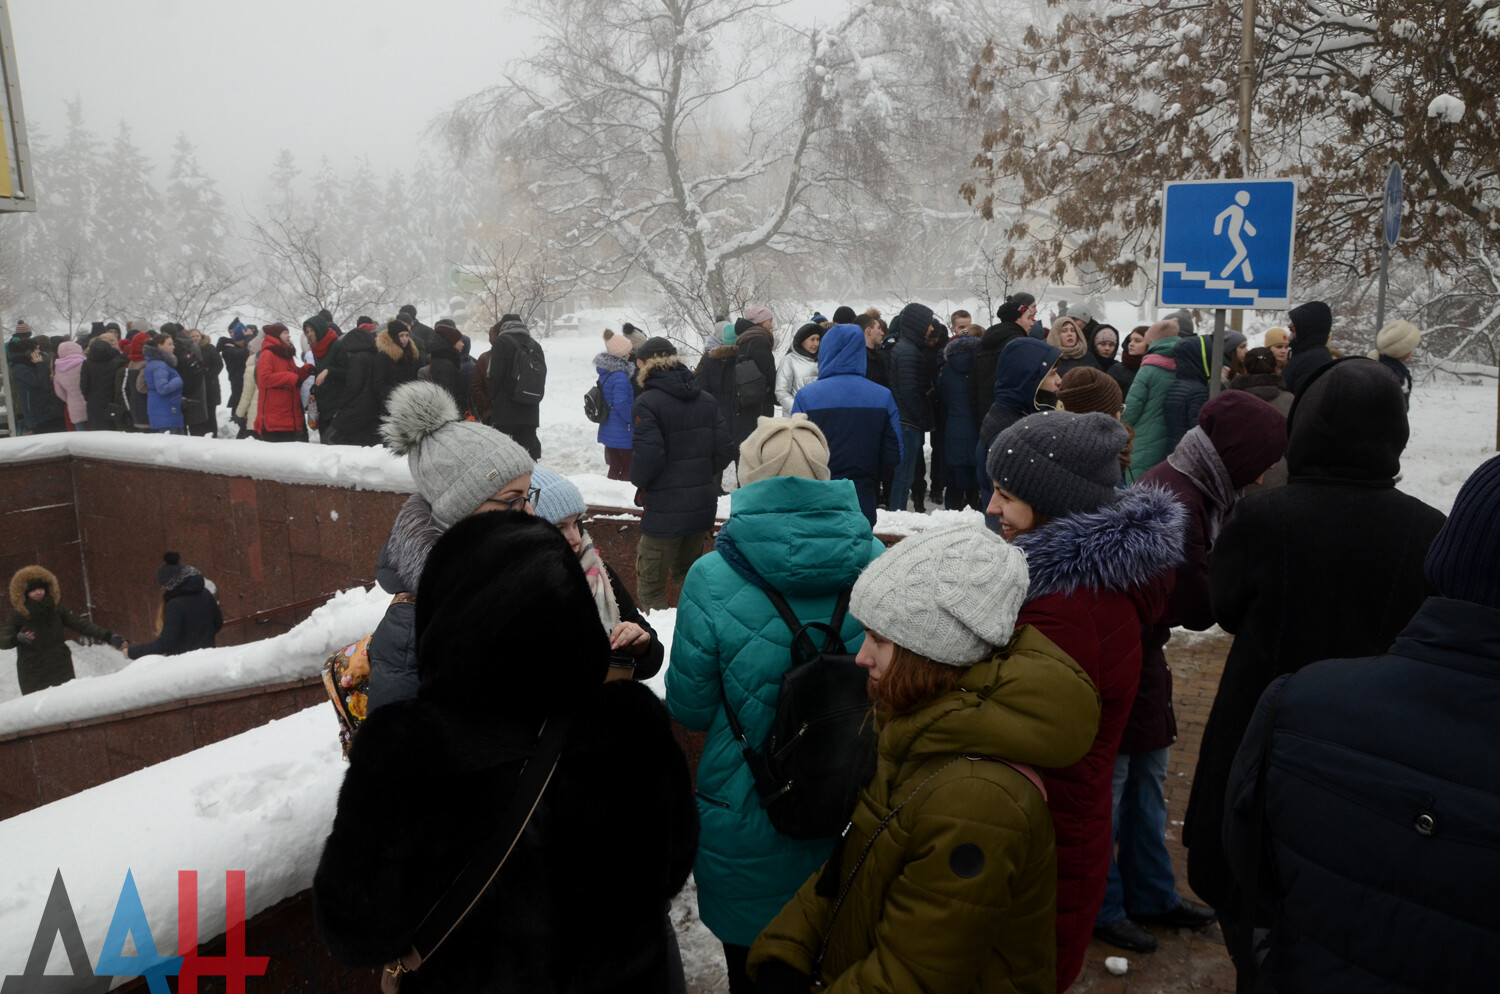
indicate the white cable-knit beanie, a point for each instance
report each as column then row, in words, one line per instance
column 951, row 594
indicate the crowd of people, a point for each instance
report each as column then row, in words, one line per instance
column 514, row 787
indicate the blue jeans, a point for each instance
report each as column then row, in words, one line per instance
column 906, row 471
column 1140, row 874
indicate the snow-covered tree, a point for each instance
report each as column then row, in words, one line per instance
column 614, row 128
column 1097, row 104
column 129, row 218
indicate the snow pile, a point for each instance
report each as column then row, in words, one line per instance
column 1446, row 108
column 261, row 802
column 290, row 462
column 295, row 655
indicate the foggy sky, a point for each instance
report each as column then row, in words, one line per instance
column 245, row 78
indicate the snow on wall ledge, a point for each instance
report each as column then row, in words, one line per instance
column 261, row 802
column 289, row 462
column 296, row 655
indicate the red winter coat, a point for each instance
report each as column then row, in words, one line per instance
column 1096, row 579
column 278, row 379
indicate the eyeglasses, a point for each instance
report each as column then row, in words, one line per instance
column 510, row 505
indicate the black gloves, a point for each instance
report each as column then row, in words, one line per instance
column 26, row 637
column 777, row 977
column 116, row 641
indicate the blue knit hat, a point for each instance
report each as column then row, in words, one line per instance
column 558, row 497
column 1462, row 562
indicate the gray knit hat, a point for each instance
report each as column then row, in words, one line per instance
column 457, row 464
column 1060, row 463
column 557, row 497
column 950, row 594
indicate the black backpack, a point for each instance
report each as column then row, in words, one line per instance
column 528, row 374
column 821, row 749
column 595, row 407
column 749, row 385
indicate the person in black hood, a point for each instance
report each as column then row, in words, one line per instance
column 682, row 446
column 508, row 642
column 912, row 386
column 1328, row 566
column 1373, row 835
column 369, row 379
column 445, row 361
column 1015, row 315
column 235, row 353
column 1189, row 391
column 1311, row 324
column 1104, row 345
column 190, row 615
column 1026, row 377
column 100, row 378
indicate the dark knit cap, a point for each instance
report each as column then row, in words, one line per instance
column 1248, row 434
column 1086, row 390
column 844, row 314
column 1059, row 462
column 1014, row 305
column 655, row 347
column 408, row 309
column 171, row 572
column 448, row 331
column 1464, row 560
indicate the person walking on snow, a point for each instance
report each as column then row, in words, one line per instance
column 518, row 379
column 615, row 371
column 35, row 626
column 190, row 617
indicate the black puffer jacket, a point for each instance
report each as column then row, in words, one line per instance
column 1328, row 566
column 986, row 358
column 756, row 345
column 234, row 355
column 1189, row 391
column 444, row 365
column 377, row 365
column 100, row 378
column 911, row 382
column 580, row 906
column 191, row 619
column 195, row 409
column 213, row 365
column 1363, row 894
column 681, row 447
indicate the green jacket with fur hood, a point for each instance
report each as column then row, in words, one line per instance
column 958, row 894
column 45, row 661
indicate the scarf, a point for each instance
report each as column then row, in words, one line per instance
column 1076, row 350
column 1196, row 458
column 1132, row 361
column 277, row 347
column 599, row 586
column 321, row 346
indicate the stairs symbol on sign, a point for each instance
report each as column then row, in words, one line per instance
column 1208, row 280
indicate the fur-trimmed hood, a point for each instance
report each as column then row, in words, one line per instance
column 392, row 350
column 1118, row 547
column 727, row 352
column 413, row 534
column 664, row 364
column 22, row 579
column 608, row 362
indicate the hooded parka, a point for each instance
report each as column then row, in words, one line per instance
column 45, row 661
column 957, row 894
column 809, row 540
column 797, row 368
column 681, row 448
column 614, row 374
column 1328, row 566
column 1145, row 407
column 1189, row 391
column 100, row 378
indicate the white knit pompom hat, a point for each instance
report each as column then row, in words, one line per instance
column 951, row 594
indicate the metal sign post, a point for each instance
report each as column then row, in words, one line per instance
column 1392, row 218
column 16, row 192
column 1227, row 244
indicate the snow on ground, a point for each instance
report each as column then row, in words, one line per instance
column 108, row 686
column 261, row 802
column 1452, row 432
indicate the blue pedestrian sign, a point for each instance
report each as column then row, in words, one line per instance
column 1227, row 243
column 1393, row 205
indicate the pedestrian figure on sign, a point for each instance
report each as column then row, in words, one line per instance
column 1235, row 214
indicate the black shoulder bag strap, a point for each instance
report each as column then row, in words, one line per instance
column 475, row 878
column 799, row 634
column 1250, row 891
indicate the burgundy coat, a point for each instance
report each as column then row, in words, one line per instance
column 1249, row 436
column 1096, row 580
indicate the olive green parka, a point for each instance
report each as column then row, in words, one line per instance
column 44, row 662
column 958, row 893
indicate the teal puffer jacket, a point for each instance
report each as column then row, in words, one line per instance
column 809, row 540
column 1145, row 408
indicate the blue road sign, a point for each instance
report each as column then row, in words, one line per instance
column 1393, row 205
column 1227, row 243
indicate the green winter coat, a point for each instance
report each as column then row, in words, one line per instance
column 46, row 661
column 959, row 893
column 809, row 540
column 1145, row 411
